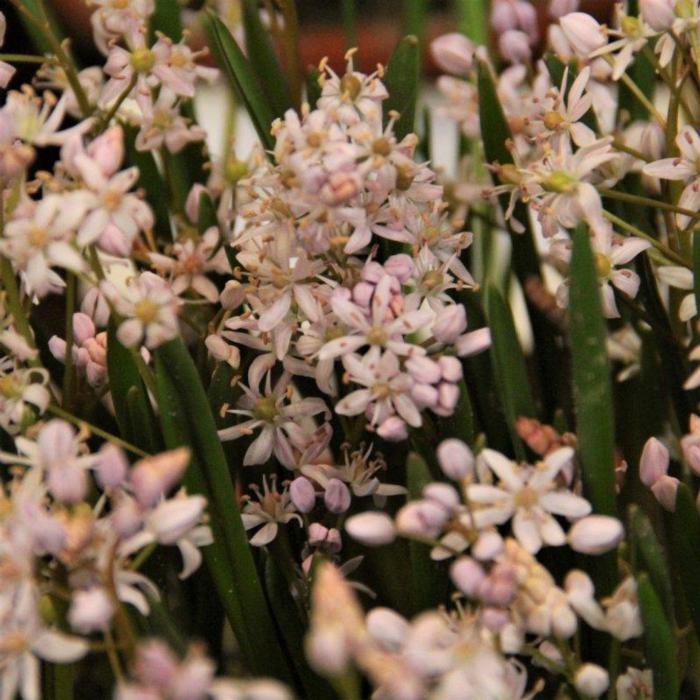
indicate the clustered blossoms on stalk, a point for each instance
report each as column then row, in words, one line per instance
column 311, row 320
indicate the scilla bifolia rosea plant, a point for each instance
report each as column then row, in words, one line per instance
column 317, row 421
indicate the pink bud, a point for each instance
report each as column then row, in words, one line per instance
column 232, row 295
column 424, row 370
column 171, row 520
column 559, row 8
column 495, row 619
column 57, row 347
column 450, row 323
column 6, row 73
column 112, row 466
column 664, row 490
column 583, row 32
column 654, row 462
column 372, row 528
column 473, row 343
column 451, row 368
column 192, row 203
column 422, row 518
column 424, row 395
column 95, row 306
column 126, row 518
column 303, row 494
column 595, row 534
column 514, row 46
column 503, row 16
column 591, row 680
column 362, row 294
column 455, row 458
column 113, row 241
column 500, row 587
column 444, row 494
column 337, row 496
column 220, row 350
column 400, row 266
column 691, row 451
column 388, row 628
column 393, row 429
column 467, row 575
column 453, row 53
column 90, row 610
column 658, row 14
column 153, row 477
column 107, row 150
column 334, row 542
column 372, row 272
column 449, row 396
column 155, row 664
column 194, row 677
column 83, row 327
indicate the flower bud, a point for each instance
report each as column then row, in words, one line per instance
column 473, row 343
column 450, row 323
column 448, row 395
column 664, row 490
column 67, row 483
column 83, row 327
column 425, row 396
column 451, row 368
column 90, row 610
column 494, row 619
column 372, row 528
column 112, row 467
column 653, row 463
column 583, row 32
column 372, row 272
column 658, row 14
column 564, row 622
column 393, row 429
column 455, row 458
column 337, row 496
column 453, row 53
column 193, row 200
column 559, row 8
column 173, row 519
column 362, row 294
column 220, row 350
column 444, row 494
column 691, row 451
column 107, row 150
column 95, row 305
column 591, row 680
column 153, row 477
column 514, row 46
column 232, row 295
column 467, row 575
column 424, row 370
column 388, row 628
column 595, row 534
column 126, row 518
column 303, row 494
column 400, row 266
column 422, row 518
column 155, row 664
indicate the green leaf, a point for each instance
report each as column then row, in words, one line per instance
column 152, row 183
column 652, row 557
column 659, row 642
column 132, row 406
column 40, row 10
column 685, row 544
column 461, row 423
column 428, row 582
column 415, row 14
column 591, row 379
column 166, row 19
column 313, row 88
column 473, row 20
column 187, row 420
column 401, row 80
column 509, row 364
column 264, row 61
column 241, row 76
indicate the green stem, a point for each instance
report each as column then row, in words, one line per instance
column 670, row 254
column 23, row 58
column 643, row 99
column 291, row 48
column 648, row 202
column 104, row 122
column 349, row 12
column 145, row 371
column 58, row 411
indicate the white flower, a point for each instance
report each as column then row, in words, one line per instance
column 271, row 508
column 529, row 495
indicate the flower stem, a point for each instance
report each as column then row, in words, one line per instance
column 69, row 374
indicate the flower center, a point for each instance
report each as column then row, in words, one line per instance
column 350, row 86
column 266, row 409
column 630, row 26
column 381, row 146
column 603, row 265
column 146, row 311
column 381, row 391
column 111, row 199
column 432, row 279
column 38, row 237
column 526, row 498
column 10, row 388
column 178, row 59
column 376, row 335
column 404, row 178
column 559, row 181
column 552, row 120
column 234, row 170
column 142, row 60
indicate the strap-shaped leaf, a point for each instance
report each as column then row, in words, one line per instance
column 685, row 544
column 473, row 19
column 659, row 642
column 166, row 19
column 591, row 379
column 401, row 80
column 651, row 557
column 263, row 59
column 131, row 403
column 509, row 364
column 241, row 76
column 187, row 420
